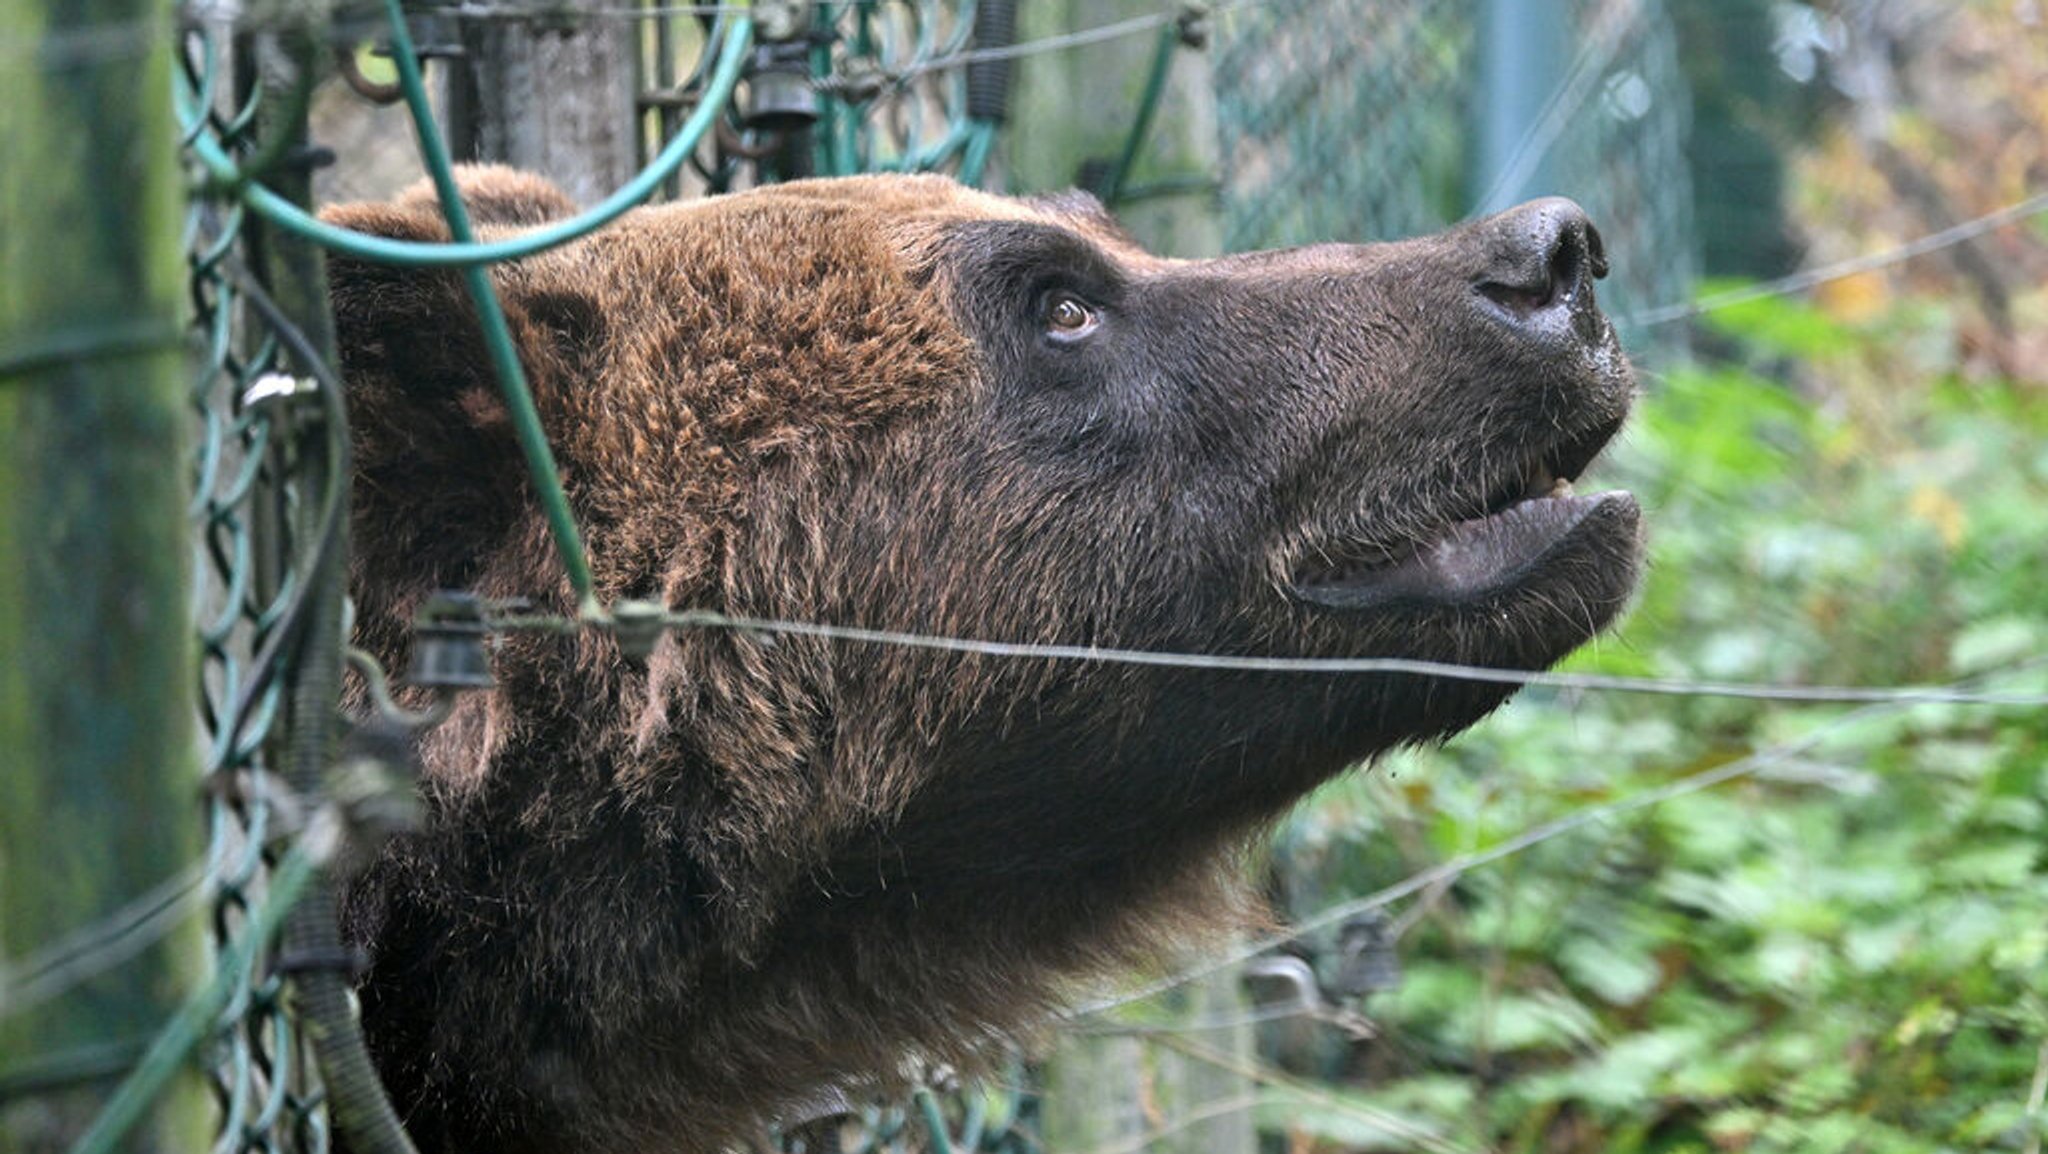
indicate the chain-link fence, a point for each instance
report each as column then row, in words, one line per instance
column 269, row 501
column 268, row 508
column 1358, row 120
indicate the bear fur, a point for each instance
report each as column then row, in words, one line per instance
column 657, row 905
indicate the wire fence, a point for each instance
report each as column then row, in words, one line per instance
column 269, row 496
column 269, row 491
column 895, row 95
column 1369, row 135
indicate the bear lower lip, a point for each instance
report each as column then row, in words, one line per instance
column 1478, row 557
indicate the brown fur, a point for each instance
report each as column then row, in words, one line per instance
column 659, row 904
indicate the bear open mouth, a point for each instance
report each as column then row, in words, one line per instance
column 1524, row 519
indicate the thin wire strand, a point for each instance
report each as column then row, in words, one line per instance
column 1207, row 1112
column 1059, row 43
column 1812, row 694
column 1280, row 1013
column 104, row 943
column 1801, row 281
column 515, row 13
column 1080, row 38
column 1266, row 1075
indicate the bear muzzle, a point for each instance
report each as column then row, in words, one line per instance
column 1531, row 273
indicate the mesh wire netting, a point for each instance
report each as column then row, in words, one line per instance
column 1353, row 120
column 1353, row 136
column 248, row 493
column 260, row 496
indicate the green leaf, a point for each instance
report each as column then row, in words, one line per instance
column 1998, row 641
column 1619, row 976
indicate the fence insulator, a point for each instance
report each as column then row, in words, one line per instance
column 448, row 644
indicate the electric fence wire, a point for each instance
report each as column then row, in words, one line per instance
column 1674, row 687
column 1799, row 282
column 1280, row 1013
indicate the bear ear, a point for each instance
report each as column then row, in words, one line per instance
column 417, row 326
column 494, row 194
column 402, row 331
column 429, row 433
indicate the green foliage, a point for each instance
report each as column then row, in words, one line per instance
column 1846, row 950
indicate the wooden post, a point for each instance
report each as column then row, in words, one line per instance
column 556, row 94
column 98, row 781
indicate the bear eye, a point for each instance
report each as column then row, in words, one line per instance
column 1068, row 317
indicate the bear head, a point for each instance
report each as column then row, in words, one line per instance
column 656, row 903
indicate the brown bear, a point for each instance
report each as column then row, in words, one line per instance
column 658, row 904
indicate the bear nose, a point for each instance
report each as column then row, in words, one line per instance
column 1541, row 261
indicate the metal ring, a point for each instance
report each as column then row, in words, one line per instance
column 368, row 89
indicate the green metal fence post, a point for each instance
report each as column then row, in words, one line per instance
column 97, row 755
column 1524, row 45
